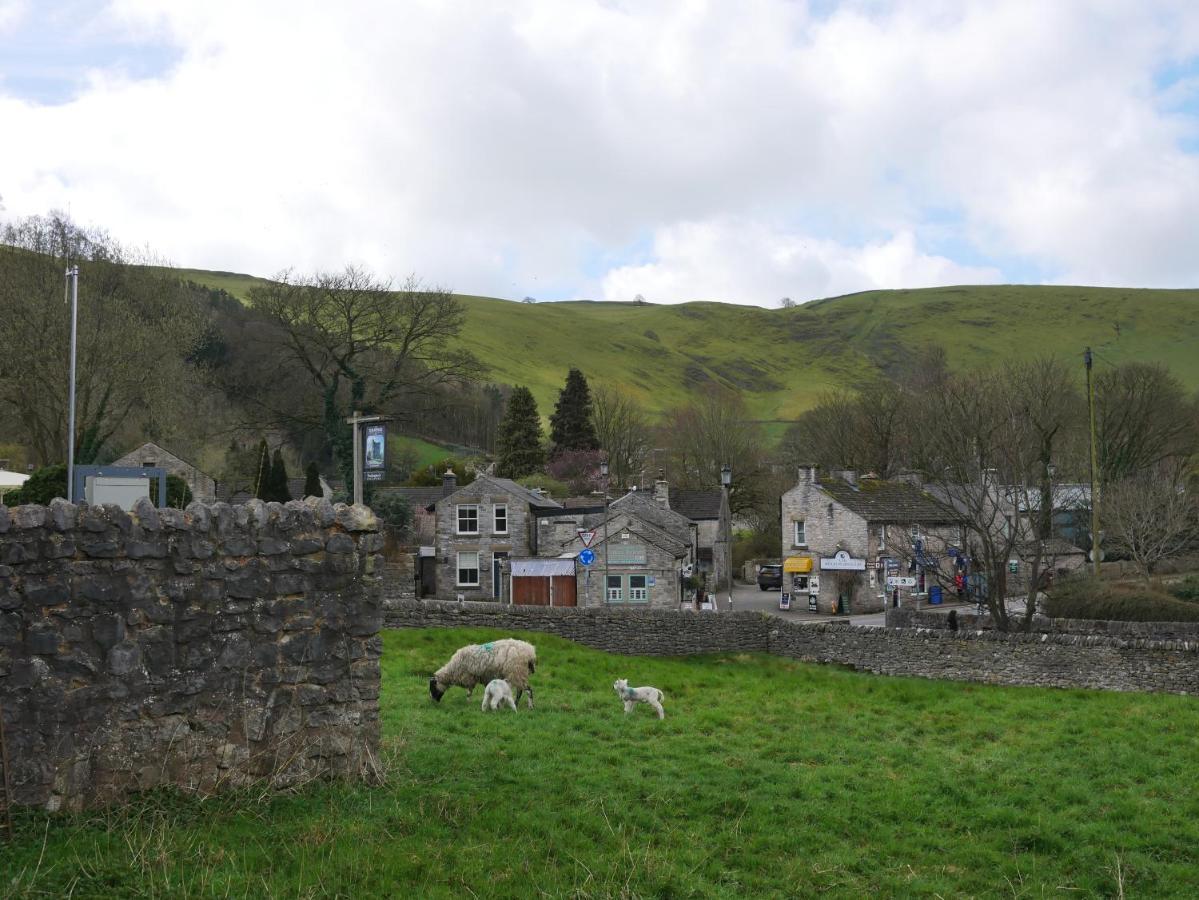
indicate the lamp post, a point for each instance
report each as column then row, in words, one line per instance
column 604, row 476
column 726, row 479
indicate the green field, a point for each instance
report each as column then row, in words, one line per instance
column 781, row 360
column 766, row 779
column 427, row 453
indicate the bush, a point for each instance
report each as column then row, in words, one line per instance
column 431, row 476
column 1086, row 598
column 1187, row 589
column 551, row 486
column 178, row 493
column 43, row 486
column 394, row 511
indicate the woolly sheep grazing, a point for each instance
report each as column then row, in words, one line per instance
column 509, row 659
column 498, row 691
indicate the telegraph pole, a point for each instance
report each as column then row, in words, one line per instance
column 356, row 420
column 73, row 277
column 1096, row 552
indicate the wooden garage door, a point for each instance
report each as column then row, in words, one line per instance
column 535, row 590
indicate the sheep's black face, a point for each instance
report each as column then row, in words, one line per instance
column 435, row 691
column 532, row 666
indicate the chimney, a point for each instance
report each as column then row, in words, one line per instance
column 449, row 483
column 849, row 476
column 662, row 493
column 807, row 474
column 3, row 463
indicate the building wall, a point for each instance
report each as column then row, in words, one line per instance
column 829, row 526
column 202, row 486
column 517, row 542
column 662, row 566
column 203, row 648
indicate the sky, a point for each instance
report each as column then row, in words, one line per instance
column 600, row 149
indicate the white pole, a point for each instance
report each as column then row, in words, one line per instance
column 73, row 274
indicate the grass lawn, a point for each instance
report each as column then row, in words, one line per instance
column 767, row 778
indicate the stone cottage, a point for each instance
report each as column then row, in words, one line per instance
column 149, row 455
column 844, row 536
column 478, row 528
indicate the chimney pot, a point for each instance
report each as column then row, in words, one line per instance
column 449, row 483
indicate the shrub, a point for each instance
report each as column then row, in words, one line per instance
column 1187, row 589
column 43, row 486
column 551, row 486
column 178, row 493
column 1085, row 598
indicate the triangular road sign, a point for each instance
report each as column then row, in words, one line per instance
column 586, row 537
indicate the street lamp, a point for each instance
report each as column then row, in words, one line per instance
column 726, row 479
column 604, row 476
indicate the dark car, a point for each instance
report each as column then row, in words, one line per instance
column 770, row 578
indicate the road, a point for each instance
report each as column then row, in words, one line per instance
column 749, row 596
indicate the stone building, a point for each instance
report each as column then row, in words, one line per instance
column 149, row 455
column 843, row 536
column 709, row 510
column 480, row 526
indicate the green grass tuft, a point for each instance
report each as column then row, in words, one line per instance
column 767, row 778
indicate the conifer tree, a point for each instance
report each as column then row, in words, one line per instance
column 262, row 471
column 279, row 489
column 312, row 481
column 572, row 426
column 518, row 445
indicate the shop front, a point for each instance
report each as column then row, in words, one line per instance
column 799, row 584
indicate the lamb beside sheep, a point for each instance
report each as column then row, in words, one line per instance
column 509, row 659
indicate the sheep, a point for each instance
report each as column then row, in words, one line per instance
column 632, row 696
column 498, row 691
column 473, row 664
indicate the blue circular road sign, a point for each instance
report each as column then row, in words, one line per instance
column 587, row 557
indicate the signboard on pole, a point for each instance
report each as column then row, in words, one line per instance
column 586, row 537
column 586, row 557
column 894, row 581
column 374, row 456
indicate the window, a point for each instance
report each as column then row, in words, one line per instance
column 468, row 569
column 614, row 594
column 637, row 589
column 801, row 536
column 500, row 519
column 468, row 520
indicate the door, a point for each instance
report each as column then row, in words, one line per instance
column 497, row 576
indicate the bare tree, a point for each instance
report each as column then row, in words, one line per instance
column 1143, row 418
column 863, row 430
column 1150, row 517
column 623, row 432
column 362, row 344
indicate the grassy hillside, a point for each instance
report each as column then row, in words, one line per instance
column 767, row 778
column 782, row 359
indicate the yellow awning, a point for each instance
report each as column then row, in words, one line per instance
column 797, row 565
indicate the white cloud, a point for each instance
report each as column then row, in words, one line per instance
column 12, row 12
column 502, row 148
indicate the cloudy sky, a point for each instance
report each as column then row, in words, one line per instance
column 739, row 151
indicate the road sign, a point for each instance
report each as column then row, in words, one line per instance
column 900, row 581
column 586, row 537
column 587, row 557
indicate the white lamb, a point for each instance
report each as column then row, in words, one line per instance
column 633, row 696
column 510, row 659
column 498, row 691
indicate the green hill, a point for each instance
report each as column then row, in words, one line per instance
column 782, row 359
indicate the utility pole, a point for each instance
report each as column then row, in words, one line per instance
column 604, row 476
column 726, row 481
column 1096, row 552
column 356, row 420
column 73, row 277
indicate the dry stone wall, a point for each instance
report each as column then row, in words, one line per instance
column 201, row 648
column 1109, row 662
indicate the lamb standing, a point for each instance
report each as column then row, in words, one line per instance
column 498, row 691
column 633, row 696
column 508, row 658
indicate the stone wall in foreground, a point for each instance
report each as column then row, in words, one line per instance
column 200, row 648
column 1109, row 662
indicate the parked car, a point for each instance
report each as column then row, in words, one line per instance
column 770, row 578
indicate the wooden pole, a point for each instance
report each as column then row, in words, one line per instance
column 1096, row 550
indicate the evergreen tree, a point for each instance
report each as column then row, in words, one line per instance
column 312, row 481
column 572, row 426
column 279, row 490
column 518, row 446
column 262, row 472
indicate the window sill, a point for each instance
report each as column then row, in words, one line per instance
column 467, row 533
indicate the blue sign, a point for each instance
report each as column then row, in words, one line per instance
column 587, row 556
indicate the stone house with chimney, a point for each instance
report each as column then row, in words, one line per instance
column 843, row 536
column 478, row 528
column 149, row 455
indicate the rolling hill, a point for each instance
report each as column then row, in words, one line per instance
column 781, row 360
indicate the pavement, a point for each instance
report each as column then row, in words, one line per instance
column 751, row 597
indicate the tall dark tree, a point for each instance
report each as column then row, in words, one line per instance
column 280, row 492
column 572, row 426
column 262, row 472
column 312, row 481
column 519, row 445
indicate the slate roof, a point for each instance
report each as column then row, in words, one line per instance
column 646, row 507
column 507, row 485
column 695, row 505
column 894, row 502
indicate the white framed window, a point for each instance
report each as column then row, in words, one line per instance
column 801, row 533
column 499, row 518
column 615, row 592
column 468, row 519
column 638, row 592
column 468, row 568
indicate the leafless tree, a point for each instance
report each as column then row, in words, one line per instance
column 1143, row 418
column 862, row 430
column 623, row 432
column 1150, row 516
